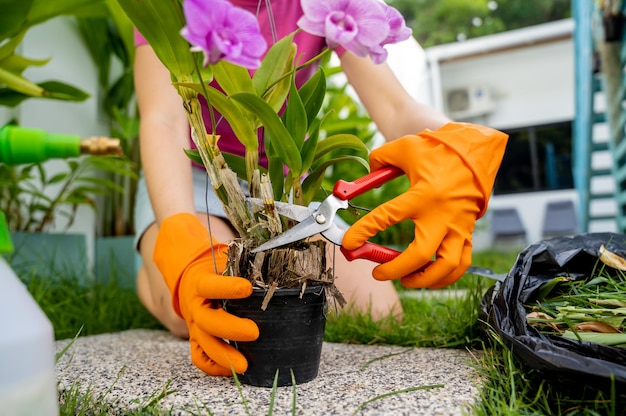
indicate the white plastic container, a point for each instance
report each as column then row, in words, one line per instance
column 27, row 373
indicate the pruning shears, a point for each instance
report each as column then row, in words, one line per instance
column 321, row 219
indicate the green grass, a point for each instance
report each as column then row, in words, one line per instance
column 511, row 390
column 430, row 321
column 93, row 308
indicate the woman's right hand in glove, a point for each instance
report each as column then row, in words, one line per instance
column 451, row 171
column 191, row 263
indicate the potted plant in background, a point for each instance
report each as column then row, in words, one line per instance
column 17, row 18
column 290, row 118
column 109, row 39
column 31, row 198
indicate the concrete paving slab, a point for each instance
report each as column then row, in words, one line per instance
column 128, row 369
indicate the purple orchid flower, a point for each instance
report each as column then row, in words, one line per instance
column 398, row 31
column 361, row 26
column 223, row 31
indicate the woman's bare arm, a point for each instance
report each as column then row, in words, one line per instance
column 164, row 134
column 393, row 110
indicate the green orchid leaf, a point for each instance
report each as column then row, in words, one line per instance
column 232, row 78
column 237, row 118
column 295, row 117
column 160, row 23
column 312, row 94
column 276, row 174
column 242, row 127
column 194, row 155
column 313, row 181
column 272, row 81
column 269, row 149
column 289, row 188
column 339, row 141
column 234, row 162
column 310, row 144
column 282, row 142
column 237, row 164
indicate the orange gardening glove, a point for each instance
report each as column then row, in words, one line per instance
column 185, row 254
column 451, row 172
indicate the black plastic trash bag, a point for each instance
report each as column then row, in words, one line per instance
column 575, row 365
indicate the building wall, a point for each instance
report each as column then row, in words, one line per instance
column 530, row 76
column 529, row 85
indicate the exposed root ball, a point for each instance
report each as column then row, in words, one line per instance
column 300, row 264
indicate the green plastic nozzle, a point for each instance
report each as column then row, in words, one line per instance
column 25, row 145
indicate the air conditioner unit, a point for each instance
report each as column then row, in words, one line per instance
column 467, row 102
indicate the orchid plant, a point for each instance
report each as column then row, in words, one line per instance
column 201, row 41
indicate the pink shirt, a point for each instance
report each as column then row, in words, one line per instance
column 286, row 14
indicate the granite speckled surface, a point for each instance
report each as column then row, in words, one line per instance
column 129, row 368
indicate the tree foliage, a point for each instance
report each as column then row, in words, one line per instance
column 443, row 21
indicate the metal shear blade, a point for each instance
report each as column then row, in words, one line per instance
column 311, row 221
column 321, row 220
column 308, row 226
column 294, row 212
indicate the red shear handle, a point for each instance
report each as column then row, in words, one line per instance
column 347, row 190
column 371, row 251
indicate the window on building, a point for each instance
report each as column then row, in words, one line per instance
column 537, row 158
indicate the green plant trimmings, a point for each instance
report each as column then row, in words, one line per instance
column 592, row 309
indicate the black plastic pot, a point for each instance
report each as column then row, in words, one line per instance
column 291, row 332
